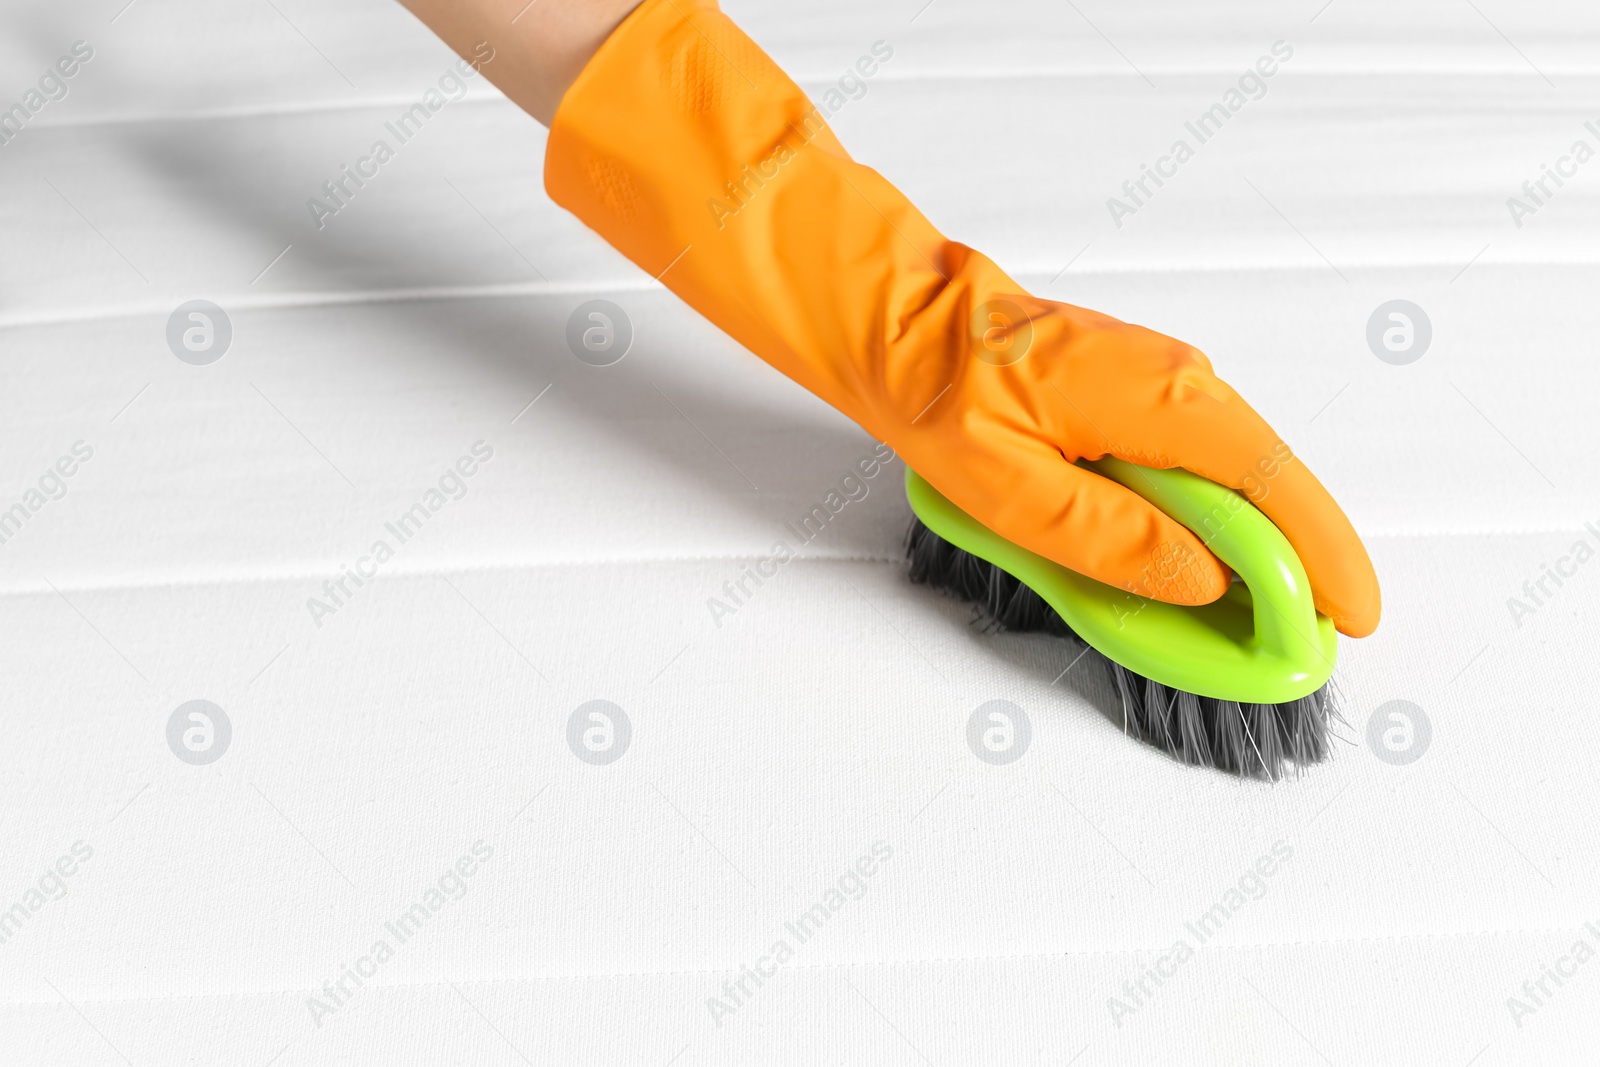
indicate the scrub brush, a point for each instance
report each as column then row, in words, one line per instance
column 1242, row 684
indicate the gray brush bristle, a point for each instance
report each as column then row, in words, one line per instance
column 1249, row 740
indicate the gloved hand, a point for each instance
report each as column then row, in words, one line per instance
column 687, row 149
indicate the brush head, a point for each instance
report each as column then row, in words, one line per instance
column 1246, row 739
column 1261, row 642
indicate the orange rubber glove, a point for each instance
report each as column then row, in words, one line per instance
column 684, row 146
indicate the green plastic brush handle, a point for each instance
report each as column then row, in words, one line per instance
column 1261, row 643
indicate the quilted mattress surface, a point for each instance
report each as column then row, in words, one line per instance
column 548, row 777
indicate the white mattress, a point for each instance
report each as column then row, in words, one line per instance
column 1013, row 911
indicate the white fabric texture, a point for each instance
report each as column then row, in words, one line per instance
column 1053, row 909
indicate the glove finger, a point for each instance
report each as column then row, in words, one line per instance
column 1092, row 525
column 1209, row 429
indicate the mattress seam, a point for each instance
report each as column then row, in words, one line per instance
column 301, row 300
column 809, row 80
column 1331, row 942
column 629, row 561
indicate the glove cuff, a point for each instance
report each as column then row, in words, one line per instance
column 687, row 148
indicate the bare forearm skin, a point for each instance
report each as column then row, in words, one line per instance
column 539, row 48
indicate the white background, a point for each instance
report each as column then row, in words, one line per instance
column 829, row 713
